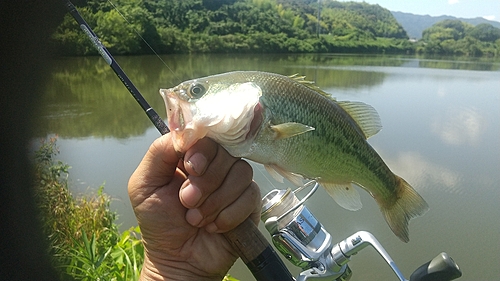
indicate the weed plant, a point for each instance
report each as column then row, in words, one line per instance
column 84, row 240
column 85, row 243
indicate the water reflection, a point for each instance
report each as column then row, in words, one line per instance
column 84, row 97
column 460, row 126
column 86, row 94
column 482, row 65
column 441, row 128
column 423, row 174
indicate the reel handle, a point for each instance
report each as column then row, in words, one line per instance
column 440, row 268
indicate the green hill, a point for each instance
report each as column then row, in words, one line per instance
column 198, row 26
column 455, row 37
column 416, row 24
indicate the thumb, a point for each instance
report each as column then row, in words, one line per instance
column 157, row 169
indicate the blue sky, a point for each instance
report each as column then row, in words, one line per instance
column 489, row 9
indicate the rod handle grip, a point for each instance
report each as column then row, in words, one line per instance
column 257, row 253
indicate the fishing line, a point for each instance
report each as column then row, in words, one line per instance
column 142, row 38
column 246, row 239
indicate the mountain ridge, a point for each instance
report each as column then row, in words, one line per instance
column 414, row 24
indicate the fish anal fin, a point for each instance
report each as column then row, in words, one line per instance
column 344, row 194
column 409, row 204
column 290, row 129
column 365, row 116
column 278, row 174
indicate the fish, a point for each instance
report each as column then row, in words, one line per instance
column 298, row 132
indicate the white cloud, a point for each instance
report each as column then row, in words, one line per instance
column 459, row 126
column 451, row 2
column 441, row 92
column 489, row 17
column 422, row 173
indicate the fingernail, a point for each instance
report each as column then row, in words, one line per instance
column 193, row 217
column 198, row 162
column 211, row 228
column 190, row 196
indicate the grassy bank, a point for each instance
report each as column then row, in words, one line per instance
column 85, row 243
column 84, row 240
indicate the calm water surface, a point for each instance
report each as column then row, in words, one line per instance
column 441, row 130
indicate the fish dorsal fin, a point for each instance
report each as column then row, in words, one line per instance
column 290, row 129
column 278, row 174
column 365, row 116
column 310, row 84
column 344, row 194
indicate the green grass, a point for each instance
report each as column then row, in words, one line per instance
column 84, row 240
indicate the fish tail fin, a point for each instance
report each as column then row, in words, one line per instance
column 409, row 204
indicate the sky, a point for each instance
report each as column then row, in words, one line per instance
column 488, row 9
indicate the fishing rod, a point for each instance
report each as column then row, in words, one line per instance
column 246, row 239
column 106, row 55
column 296, row 233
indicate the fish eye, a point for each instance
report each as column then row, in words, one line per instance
column 197, row 90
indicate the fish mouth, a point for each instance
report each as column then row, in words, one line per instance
column 233, row 125
column 184, row 133
column 175, row 117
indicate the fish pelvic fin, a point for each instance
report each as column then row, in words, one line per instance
column 278, row 174
column 344, row 194
column 290, row 129
column 365, row 116
column 409, row 204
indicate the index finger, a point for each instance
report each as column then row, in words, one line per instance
column 199, row 156
column 207, row 165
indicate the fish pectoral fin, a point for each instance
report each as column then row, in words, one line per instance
column 365, row 116
column 290, row 129
column 278, row 174
column 344, row 194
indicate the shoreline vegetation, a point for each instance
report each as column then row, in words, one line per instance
column 82, row 234
column 262, row 26
column 83, row 237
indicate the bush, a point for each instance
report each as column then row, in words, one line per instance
column 84, row 240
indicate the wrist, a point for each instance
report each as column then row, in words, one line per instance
column 156, row 269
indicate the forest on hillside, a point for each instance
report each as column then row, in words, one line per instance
column 455, row 37
column 257, row 26
column 415, row 24
column 130, row 27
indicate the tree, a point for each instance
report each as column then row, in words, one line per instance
column 69, row 38
column 485, row 32
column 235, row 26
column 122, row 36
column 458, row 27
column 452, row 37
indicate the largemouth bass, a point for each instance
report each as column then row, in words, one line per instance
column 298, row 132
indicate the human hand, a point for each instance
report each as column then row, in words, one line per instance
column 184, row 206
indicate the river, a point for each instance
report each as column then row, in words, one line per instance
column 441, row 125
